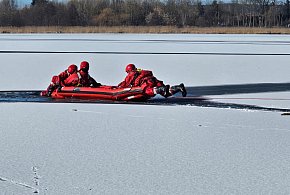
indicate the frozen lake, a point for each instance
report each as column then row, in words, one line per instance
column 145, row 149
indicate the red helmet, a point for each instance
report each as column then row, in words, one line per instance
column 72, row 69
column 130, row 67
column 84, row 66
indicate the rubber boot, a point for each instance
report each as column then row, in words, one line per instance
column 183, row 90
column 48, row 91
column 163, row 90
column 178, row 88
column 43, row 93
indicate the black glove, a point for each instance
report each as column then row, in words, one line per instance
column 96, row 84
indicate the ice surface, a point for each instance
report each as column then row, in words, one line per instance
column 135, row 149
column 32, row 70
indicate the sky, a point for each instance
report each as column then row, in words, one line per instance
column 23, row 2
column 28, row 2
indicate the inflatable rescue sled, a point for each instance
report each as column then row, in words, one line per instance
column 101, row 93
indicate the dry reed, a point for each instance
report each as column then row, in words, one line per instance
column 145, row 29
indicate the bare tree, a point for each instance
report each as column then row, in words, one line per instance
column 9, row 15
column 250, row 13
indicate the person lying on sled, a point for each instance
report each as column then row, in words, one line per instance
column 85, row 79
column 149, row 84
column 69, row 77
column 72, row 77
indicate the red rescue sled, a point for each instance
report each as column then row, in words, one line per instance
column 101, row 93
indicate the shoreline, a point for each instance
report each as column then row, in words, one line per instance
column 142, row 30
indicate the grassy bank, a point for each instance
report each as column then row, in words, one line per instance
column 146, row 29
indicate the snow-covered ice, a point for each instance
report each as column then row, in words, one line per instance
column 145, row 149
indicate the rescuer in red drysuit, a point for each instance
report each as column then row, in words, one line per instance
column 85, row 79
column 149, row 84
column 69, row 77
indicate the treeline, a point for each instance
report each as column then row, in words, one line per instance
column 180, row 13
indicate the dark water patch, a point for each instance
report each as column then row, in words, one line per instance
column 238, row 89
column 198, row 101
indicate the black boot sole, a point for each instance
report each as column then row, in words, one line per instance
column 183, row 90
